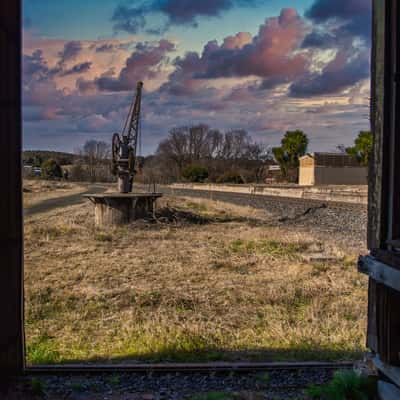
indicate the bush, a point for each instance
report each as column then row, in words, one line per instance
column 230, row 177
column 78, row 173
column 195, row 173
column 51, row 169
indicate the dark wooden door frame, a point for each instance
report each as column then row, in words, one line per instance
column 383, row 267
column 383, row 179
column 11, row 218
column 384, row 176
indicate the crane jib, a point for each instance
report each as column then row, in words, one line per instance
column 124, row 147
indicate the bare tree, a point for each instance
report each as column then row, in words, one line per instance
column 215, row 143
column 218, row 152
column 198, row 142
column 95, row 163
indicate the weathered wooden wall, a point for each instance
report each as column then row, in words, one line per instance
column 11, row 258
column 377, row 218
column 384, row 184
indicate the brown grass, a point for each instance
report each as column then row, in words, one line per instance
column 36, row 190
column 232, row 288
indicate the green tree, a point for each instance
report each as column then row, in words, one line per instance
column 281, row 158
column 195, row 173
column 51, row 169
column 293, row 145
column 362, row 148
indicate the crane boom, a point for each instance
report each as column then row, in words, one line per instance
column 124, row 147
column 131, row 128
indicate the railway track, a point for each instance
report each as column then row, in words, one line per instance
column 339, row 222
column 236, row 367
column 175, row 381
column 261, row 201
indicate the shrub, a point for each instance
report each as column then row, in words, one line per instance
column 195, row 173
column 230, row 177
column 103, row 237
column 78, row 173
column 51, row 169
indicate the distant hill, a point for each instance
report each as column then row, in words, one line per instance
column 37, row 157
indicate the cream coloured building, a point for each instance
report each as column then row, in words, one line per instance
column 331, row 169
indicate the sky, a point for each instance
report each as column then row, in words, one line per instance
column 266, row 66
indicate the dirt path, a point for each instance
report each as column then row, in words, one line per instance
column 64, row 201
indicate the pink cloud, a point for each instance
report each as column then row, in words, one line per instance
column 237, row 41
column 273, row 54
column 144, row 63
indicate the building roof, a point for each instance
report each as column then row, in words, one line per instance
column 333, row 160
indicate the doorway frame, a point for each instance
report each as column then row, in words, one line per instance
column 384, row 194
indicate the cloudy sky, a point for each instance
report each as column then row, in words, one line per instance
column 266, row 66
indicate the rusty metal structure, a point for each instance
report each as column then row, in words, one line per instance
column 123, row 207
column 124, row 146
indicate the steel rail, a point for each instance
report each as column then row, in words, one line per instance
column 239, row 367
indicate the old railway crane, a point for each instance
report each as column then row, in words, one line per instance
column 120, row 208
column 124, row 146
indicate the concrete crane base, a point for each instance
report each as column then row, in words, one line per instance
column 112, row 209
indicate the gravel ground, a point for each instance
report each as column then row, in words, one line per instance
column 271, row 385
column 343, row 224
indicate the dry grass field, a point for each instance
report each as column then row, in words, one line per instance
column 36, row 190
column 208, row 281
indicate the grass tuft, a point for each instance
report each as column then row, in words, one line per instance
column 270, row 248
column 42, row 351
column 103, row 237
column 114, row 380
column 53, row 232
column 38, row 387
column 78, row 387
column 264, row 377
column 345, row 385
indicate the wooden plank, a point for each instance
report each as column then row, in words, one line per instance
column 387, row 257
column 384, row 302
column 372, row 329
column 11, row 239
column 393, row 373
column 384, row 193
column 394, row 155
column 380, row 272
column 388, row 322
column 388, row 391
column 379, row 165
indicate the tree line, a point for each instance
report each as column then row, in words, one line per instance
column 197, row 153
